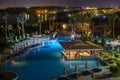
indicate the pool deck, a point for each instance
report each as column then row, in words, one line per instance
column 90, row 77
column 114, row 43
column 21, row 45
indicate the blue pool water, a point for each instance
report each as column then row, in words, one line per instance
column 46, row 62
column 99, row 38
column 64, row 38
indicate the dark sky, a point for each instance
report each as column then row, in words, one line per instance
column 73, row 3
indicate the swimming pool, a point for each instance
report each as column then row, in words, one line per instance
column 64, row 38
column 46, row 62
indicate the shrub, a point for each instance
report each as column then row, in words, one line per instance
column 118, row 64
column 103, row 42
column 117, row 55
column 114, row 69
column 96, row 41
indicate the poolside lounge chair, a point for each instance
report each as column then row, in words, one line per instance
column 74, row 75
column 8, row 57
column 86, row 73
column 63, row 78
column 96, row 69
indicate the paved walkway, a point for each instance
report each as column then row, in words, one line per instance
column 29, row 42
column 17, row 47
column 113, row 43
column 97, row 76
column 110, row 78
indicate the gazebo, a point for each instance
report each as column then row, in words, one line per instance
column 77, row 50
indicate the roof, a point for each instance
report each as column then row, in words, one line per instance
column 80, row 46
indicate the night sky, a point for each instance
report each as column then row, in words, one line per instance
column 73, row 3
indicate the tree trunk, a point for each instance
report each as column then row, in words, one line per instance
column 113, row 29
column 23, row 31
column 40, row 27
column 3, row 64
column 6, row 29
column 18, row 30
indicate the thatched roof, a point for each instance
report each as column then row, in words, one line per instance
column 80, row 46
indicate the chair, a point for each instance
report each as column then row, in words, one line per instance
column 86, row 73
column 74, row 75
column 96, row 69
column 63, row 78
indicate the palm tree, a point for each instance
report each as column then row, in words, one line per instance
column 10, row 32
column 86, row 17
column 73, row 22
column 39, row 21
column 5, row 17
column 115, row 16
column 109, row 17
column 111, row 22
column 4, row 45
column 51, row 18
column 89, row 19
column 18, row 26
column 22, row 18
